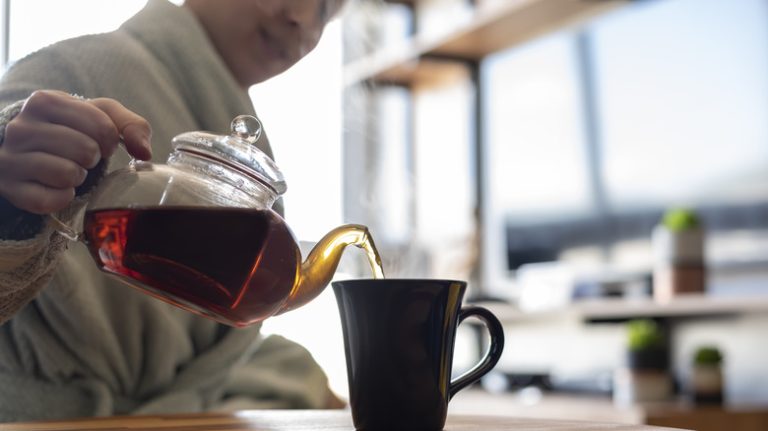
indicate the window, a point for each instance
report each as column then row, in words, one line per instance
column 593, row 133
column 37, row 23
column 536, row 164
column 301, row 110
column 683, row 107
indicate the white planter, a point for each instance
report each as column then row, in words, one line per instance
column 678, row 247
column 679, row 262
column 706, row 383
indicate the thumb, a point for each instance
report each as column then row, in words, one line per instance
column 137, row 140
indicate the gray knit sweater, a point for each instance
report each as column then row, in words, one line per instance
column 75, row 342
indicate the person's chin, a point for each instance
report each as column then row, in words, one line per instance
column 255, row 76
column 272, row 72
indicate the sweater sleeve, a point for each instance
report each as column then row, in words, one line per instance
column 279, row 374
column 29, row 245
column 15, row 224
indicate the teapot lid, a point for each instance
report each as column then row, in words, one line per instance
column 237, row 150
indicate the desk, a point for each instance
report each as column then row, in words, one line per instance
column 553, row 405
column 303, row 420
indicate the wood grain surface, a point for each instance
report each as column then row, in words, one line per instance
column 302, row 420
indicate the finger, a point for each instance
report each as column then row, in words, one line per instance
column 60, row 108
column 134, row 129
column 23, row 136
column 46, row 169
column 36, row 198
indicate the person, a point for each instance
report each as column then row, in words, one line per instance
column 74, row 342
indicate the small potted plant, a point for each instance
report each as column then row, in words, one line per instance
column 646, row 375
column 679, row 261
column 707, row 375
column 646, row 344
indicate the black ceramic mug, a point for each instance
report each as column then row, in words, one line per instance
column 398, row 339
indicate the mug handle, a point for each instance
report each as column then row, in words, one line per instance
column 492, row 355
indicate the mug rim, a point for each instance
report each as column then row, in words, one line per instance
column 399, row 280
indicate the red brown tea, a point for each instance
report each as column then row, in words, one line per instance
column 239, row 263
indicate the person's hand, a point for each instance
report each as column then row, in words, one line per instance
column 53, row 141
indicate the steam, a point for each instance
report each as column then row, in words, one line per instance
column 380, row 182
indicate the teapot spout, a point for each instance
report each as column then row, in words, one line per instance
column 319, row 267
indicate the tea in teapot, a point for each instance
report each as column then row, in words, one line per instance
column 199, row 232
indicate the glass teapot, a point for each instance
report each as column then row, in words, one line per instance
column 199, row 232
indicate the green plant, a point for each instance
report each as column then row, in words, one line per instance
column 680, row 219
column 707, row 355
column 644, row 334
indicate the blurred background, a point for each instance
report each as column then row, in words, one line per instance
column 533, row 148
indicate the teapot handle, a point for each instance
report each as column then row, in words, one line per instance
column 64, row 229
column 67, row 231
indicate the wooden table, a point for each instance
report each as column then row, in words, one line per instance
column 302, row 420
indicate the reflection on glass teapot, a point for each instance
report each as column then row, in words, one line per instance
column 199, row 232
